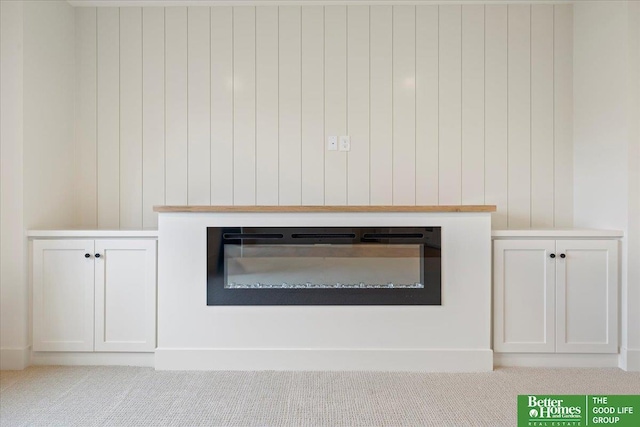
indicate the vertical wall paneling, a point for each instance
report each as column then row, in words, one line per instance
column 563, row 115
column 472, row 104
column 85, row 125
column 152, row 113
column 222, row 105
column 381, row 107
column 313, row 145
column 290, row 105
column 267, row 105
column 495, row 134
column 335, row 92
column 108, row 123
column 450, row 116
column 358, row 104
column 199, row 103
column 427, row 105
column 542, row 173
column 131, row 117
column 448, row 104
column 404, row 105
column 244, row 106
column 519, row 116
column 176, row 131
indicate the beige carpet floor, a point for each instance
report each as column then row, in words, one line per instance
column 127, row 396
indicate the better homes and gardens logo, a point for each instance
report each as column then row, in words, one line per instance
column 578, row 410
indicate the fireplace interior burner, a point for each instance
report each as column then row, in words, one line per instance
column 323, row 266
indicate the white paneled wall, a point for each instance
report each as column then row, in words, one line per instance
column 450, row 104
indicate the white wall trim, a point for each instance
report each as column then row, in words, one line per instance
column 14, row 359
column 630, row 359
column 549, row 360
column 93, row 359
column 167, row 3
column 309, row 359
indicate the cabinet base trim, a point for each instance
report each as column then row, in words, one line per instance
column 92, row 359
column 437, row 360
column 14, row 359
column 630, row 359
column 555, row 360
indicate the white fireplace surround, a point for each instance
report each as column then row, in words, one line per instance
column 453, row 337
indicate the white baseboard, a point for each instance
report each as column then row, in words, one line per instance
column 14, row 359
column 556, row 360
column 92, row 359
column 630, row 359
column 416, row 360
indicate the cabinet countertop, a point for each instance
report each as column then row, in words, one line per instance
column 91, row 233
column 557, row 233
column 339, row 209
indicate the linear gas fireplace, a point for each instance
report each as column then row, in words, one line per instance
column 323, row 266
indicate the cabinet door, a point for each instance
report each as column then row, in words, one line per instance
column 63, row 295
column 587, row 296
column 125, row 295
column 523, row 280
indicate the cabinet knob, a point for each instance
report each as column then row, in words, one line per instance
column 97, row 255
column 551, row 256
column 563, row 256
column 87, row 255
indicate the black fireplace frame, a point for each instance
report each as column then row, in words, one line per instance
column 429, row 239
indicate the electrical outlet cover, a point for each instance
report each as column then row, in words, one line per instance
column 332, row 143
column 345, row 143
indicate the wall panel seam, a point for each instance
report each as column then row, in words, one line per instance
column 530, row 124
column 392, row 98
column 187, row 90
column 346, row 97
column 507, row 123
column 142, row 116
column 553, row 120
column 210, row 114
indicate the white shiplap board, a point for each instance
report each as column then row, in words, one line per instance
column 244, row 106
column 267, row 106
column 290, row 93
column 358, row 104
column 381, row 105
column 519, row 116
column 222, row 117
column 472, row 142
column 153, row 158
column 312, row 127
column 335, row 98
column 542, row 156
column 198, row 106
column 108, row 118
column 563, row 115
column 176, row 128
column 404, row 105
column 85, row 123
column 450, row 115
column 131, row 117
column 224, row 105
column 495, row 134
column 427, row 97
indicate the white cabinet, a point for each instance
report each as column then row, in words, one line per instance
column 94, row 295
column 555, row 296
column 63, row 295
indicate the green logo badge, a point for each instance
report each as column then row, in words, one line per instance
column 578, row 410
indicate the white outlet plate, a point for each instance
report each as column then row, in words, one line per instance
column 345, row 143
column 332, row 143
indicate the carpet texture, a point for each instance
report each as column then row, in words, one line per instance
column 128, row 396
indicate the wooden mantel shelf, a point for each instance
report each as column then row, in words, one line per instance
column 300, row 209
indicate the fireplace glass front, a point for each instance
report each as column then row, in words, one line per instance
column 323, row 266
